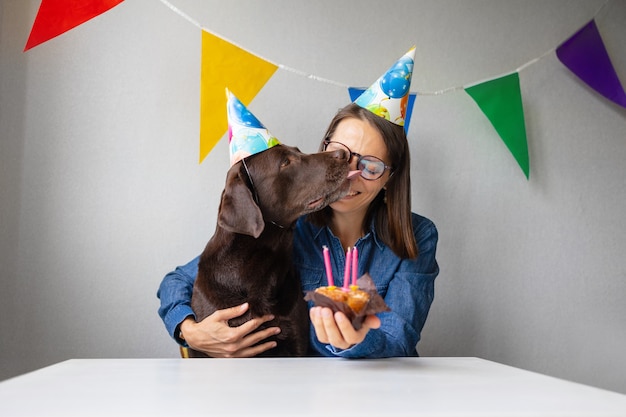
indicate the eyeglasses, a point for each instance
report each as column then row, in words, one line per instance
column 371, row 167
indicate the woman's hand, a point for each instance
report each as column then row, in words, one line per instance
column 337, row 330
column 214, row 337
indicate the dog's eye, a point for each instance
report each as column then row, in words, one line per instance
column 285, row 162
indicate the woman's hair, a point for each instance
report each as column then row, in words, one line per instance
column 390, row 209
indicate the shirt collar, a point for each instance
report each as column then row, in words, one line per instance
column 372, row 232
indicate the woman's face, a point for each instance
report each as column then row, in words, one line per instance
column 362, row 138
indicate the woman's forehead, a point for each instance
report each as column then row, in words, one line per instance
column 360, row 136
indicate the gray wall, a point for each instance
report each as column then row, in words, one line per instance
column 102, row 193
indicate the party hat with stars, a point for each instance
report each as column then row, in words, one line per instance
column 246, row 134
column 389, row 95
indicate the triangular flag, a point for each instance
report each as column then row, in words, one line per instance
column 58, row 16
column 585, row 55
column 356, row 92
column 225, row 65
column 501, row 101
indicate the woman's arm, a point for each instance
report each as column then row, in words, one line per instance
column 217, row 339
column 175, row 296
column 212, row 335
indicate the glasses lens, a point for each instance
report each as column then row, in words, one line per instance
column 371, row 168
column 336, row 146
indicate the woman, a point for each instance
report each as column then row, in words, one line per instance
column 395, row 246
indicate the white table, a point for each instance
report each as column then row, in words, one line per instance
column 300, row 386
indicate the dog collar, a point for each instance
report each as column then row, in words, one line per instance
column 254, row 192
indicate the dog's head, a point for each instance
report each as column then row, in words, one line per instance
column 279, row 185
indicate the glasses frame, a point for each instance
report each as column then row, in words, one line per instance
column 359, row 159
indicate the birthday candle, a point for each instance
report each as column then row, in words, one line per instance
column 329, row 269
column 346, row 271
column 355, row 264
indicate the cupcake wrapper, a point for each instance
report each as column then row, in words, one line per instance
column 376, row 304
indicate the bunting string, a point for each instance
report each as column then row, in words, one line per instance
column 499, row 97
column 342, row 85
column 225, row 64
column 281, row 66
column 182, row 14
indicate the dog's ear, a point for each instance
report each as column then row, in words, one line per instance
column 238, row 212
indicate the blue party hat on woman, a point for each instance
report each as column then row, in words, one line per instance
column 389, row 95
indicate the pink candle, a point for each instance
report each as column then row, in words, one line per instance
column 355, row 265
column 346, row 271
column 329, row 269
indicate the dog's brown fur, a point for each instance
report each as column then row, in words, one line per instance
column 249, row 258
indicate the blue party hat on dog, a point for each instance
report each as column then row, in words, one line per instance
column 246, row 134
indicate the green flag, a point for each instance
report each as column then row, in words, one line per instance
column 501, row 101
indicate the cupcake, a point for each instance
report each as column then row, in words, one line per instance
column 355, row 302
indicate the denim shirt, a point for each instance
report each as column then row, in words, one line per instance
column 407, row 286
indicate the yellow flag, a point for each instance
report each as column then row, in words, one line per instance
column 225, row 65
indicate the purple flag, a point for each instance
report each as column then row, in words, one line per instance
column 585, row 55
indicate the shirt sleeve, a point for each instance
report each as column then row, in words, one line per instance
column 175, row 296
column 409, row 295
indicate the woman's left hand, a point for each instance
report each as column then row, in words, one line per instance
column 337, row 330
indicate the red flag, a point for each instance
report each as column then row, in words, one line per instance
column 58, row 16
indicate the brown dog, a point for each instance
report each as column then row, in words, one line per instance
column 248, row 259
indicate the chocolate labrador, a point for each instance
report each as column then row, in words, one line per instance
column 249, row 258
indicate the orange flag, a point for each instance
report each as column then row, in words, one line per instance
column 58, row 16
column 225, row 65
